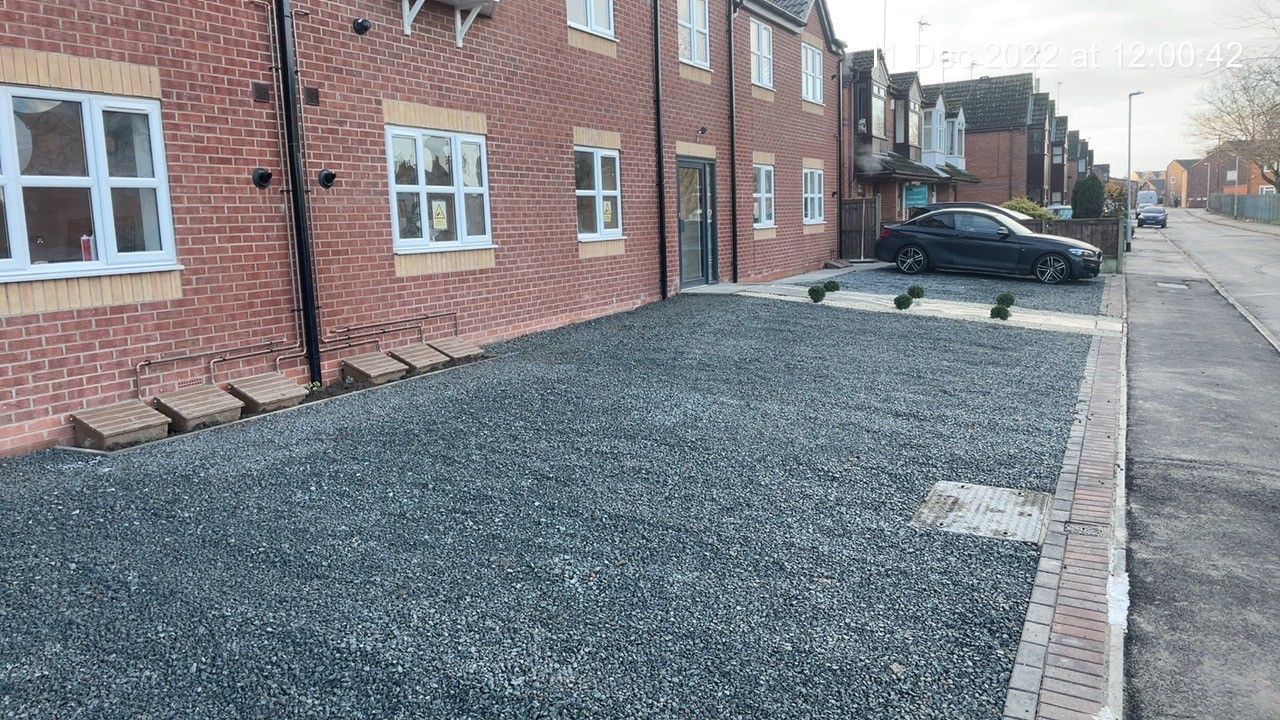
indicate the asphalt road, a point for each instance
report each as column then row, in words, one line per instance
column 1245, row 262
column 1203, row 477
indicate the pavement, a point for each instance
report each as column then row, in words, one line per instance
column 697, row 509
column 1203, row 475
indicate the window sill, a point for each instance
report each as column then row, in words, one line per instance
column 601, row 247
column 444, row 249
column 600, row 238
column 813, row 228
column 73, row 274
column 762, row 93
column 598, row 33
column 815, row 108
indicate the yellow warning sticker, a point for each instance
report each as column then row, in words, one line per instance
column 608, row 211
column 439, row 218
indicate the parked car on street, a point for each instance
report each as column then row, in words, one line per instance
column 982, row 240
column 1064, row 212
column 1153, row 215
column 1006, row 212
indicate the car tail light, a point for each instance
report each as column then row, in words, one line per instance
column 884, row 233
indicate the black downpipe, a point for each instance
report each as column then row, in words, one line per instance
column 288, row 68
column 841, row 175
column 659, row 145
column 733, row 142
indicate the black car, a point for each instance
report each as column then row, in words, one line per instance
column 972, row 239
column 1153, row 215
column 973, row 205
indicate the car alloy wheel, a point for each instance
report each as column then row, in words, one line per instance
column 1052, row 269
column 911, row 260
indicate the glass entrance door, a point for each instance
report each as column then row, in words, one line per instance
column 697, row 227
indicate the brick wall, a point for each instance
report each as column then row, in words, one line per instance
column 999, row 157
column 523, row 70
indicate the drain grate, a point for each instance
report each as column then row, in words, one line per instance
column 985, row 511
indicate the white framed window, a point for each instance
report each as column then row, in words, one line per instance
column 594, row 16
column 598, row 187
column 83, row 185
column 439, row 189
column 761, row 54
column 762, row 195
column 960, row 138
column 1057, row 155
column 811, row 73
column 913, row 123
column 814, row 200
column 694, row 36
column 928, row 131
column 878, row 110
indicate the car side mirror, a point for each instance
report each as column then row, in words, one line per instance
column 1002, row 231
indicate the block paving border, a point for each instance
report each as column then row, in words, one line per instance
column 1069, row 661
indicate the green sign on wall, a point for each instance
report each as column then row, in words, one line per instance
column 917, row 196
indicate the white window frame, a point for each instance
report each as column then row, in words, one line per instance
column 761, row 54
column 593, row 24
column 1267, row 190
column 699, row 32
column 811, row 73
column 599, row 193
column 879, row 101
column 424, row 243
column 98, row 181
column 814, row 196
column 763, row 196
column 927, row 135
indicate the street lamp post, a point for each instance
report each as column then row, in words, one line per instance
column 1128, row 179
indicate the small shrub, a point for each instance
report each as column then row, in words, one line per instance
column 916, row 291
column 817, row 292
column 831, row 286
column 902, row 302
column 1005, row 299
column 1000, row 312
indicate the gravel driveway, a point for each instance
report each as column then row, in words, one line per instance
column 1079, row 296
column 698, row 509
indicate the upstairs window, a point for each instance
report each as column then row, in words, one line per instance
column 694, row 36
column 1057, row 154
column 761, row 54
column 878, row 110
column 439, row 189
column 83, row 187
column 811, row 73
column 928, row 131
column 959, row 141
column 913, row 122
column 953, row 143
column 594, row 16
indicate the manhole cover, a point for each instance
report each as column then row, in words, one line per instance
column 984, row 511
column 1175, row 286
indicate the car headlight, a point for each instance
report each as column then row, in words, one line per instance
column 1080, row 252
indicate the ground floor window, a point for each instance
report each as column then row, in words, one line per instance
column 814, row 202
column 439, row 189
column 598, row 186
column 762, row 195
column 83, row 187
column 1056, row 197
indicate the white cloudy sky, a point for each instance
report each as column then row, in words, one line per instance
column 1094, row 96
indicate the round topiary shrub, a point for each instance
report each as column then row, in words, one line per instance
column 831, row 286
column 817, row 292
column 1000, row 312
column 916, row 291
column 902, row 302
column 1005, row 299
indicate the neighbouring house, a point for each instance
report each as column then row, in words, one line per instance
column 1006, row 135
column 1223, row 171
column 195, row 193
column 1102, row 170
column 1059, row 189
column 1077, row 163
column 1176, row 175
column 943, row 143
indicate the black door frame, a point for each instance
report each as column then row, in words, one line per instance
column 710, row 241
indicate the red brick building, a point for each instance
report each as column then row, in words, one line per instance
column 462, row 172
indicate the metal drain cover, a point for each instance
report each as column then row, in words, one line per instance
column 1175, row 286
column 985, row 511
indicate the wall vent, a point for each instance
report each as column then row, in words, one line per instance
column 261, row 92
column 311, row 95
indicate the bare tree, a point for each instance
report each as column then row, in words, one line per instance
column 1242, row 115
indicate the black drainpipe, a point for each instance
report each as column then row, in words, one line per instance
column 733, row 142
column 840, row 173
column 288, row 67
column 661, row 152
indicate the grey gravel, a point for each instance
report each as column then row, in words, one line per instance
column 1079, row 296
column 698, row 509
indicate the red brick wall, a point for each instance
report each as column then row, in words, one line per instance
column 784, row 128
column 232, row 240
column 999, row 157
